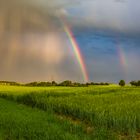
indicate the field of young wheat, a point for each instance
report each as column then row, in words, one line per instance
column 94, row 112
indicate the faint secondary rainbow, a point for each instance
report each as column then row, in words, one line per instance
column 76, row 50
column 122, row 59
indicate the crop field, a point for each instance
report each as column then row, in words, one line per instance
column 70, row 113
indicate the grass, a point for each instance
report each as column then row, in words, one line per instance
column 107, row 112
column 22, row 122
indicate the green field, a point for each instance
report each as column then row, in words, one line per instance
column 70, row 113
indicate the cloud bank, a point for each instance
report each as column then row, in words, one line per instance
column 120, row 16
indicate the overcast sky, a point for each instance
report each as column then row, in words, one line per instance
column 34, row 46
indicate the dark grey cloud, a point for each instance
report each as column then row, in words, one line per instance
column 119, row 16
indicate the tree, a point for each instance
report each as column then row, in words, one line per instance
column 54, row 83
column 66, row 83
column 122, row 83
column 138, row 83
column 133, row 83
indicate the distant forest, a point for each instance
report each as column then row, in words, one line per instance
column 53, row 83
column 64, row 83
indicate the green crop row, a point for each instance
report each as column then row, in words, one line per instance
column 19, row 122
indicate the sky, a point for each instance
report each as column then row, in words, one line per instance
column 34, row 45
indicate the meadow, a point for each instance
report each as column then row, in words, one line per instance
column 75, row 113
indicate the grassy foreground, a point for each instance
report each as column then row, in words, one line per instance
column 22, row 122
column 96, row 112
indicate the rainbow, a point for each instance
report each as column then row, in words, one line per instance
column 122, row 59
column 76, row 50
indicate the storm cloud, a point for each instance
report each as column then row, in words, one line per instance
column 34, row 46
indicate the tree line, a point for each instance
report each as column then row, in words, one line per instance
column 9, row 83
column 66, row 83
column 132, row 83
